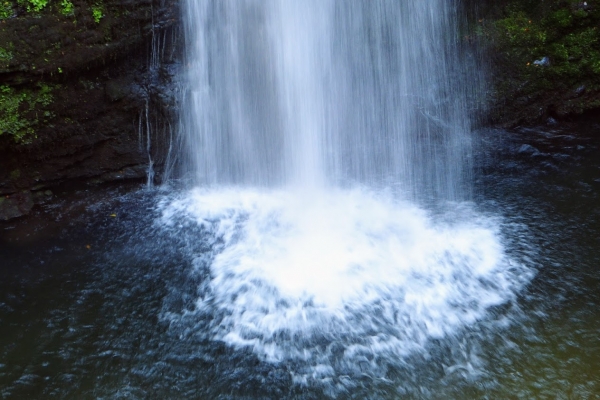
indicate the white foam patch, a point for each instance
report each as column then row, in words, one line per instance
column 294, row 272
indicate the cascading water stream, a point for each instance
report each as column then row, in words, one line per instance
column 317, row 131
column 326, row 92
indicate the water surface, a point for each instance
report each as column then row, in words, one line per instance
column 140, row 314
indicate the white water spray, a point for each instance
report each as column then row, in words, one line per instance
column 307, row 123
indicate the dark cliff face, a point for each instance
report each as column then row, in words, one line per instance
column 85, row 93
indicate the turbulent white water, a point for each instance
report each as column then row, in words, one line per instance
column 304, row 122
column 291, row 274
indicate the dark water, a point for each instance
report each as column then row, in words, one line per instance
column 79, row 322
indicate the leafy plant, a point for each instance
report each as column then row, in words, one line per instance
column 20, row 110
column 565, row 33
column 5, row 55
column 11, row 121
column 546, row 57
column 97, row 12
column 33, row 5
column 67, row 7
column 6, row 9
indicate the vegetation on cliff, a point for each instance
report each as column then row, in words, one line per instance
column 22, row 110
column 75, row 82
column 44, row 44
column 544, row 57
column 12, row 8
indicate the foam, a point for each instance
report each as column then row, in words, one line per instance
column 292, row 272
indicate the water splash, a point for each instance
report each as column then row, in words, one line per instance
column 292, row 277
column 306, row 123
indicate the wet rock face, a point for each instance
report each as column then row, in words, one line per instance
column 85, row 94
column 15, row 206
column 20, row 203
column 50, row 42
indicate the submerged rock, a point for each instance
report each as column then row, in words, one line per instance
column 528, row 150
column 16, row 205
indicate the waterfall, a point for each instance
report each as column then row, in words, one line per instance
column 326, row 93
column 315, row 134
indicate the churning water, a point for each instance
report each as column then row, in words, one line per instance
column 303, row 276
column 317, row 131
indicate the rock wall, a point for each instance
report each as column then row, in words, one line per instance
column 86, row 93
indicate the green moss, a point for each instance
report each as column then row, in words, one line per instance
column 33, row 5
column 542, row 54
column 565, row 32
column 6, row 56
column 97, row 12
column 6, row 9
column 66, row 7
column 21, row 111
column 560, row 18
column 11, row 121
column 519, row 31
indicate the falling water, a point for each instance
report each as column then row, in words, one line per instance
column 323, row 92
column 317, row 132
